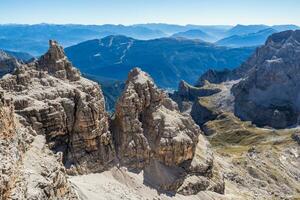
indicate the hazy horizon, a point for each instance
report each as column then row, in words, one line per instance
column 116, row 24
column 214, row 12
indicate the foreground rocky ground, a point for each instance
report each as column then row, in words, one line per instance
column 58, row 142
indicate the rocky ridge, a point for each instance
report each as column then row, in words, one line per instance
column 257, row 163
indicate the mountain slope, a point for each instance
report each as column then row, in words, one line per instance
column 251, row 39
column 195, row 34
column 7, row 63
column 167, row 60
column 33, row 38
column 21, row 56
column 245, row 29
column 269, row 95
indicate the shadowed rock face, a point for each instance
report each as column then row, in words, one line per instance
column 7, row 63
column 188, row 94
column 269, row 95
column 151, row 134
column 68, row 109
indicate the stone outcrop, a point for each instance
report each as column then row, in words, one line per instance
column 68, row 109
column 9, row 146
column 214, row 76
column 296, row 137
column 7, row 63
column 56, row 63
column 24, row 175
column 152, row 135
column 269, row 95
column 188, row 94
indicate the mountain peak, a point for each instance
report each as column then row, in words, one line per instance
column 57, row 64
column 136, row 75
column 284, row 36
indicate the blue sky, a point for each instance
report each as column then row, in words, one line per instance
column 228, row 12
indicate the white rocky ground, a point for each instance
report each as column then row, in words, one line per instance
column 119, row 183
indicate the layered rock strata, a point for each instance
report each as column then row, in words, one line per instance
column 28, row 172
column 68, row 109
column 152, row 135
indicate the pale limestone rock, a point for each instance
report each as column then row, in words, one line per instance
column 68, row 110
column 152, row 135
column 56, row 63
column 24, row 175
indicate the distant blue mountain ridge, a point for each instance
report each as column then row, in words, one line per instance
column 250, row 39
column 34, row 38
column 167, row 60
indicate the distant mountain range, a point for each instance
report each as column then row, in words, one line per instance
column 170, row 29
column 168, row 60
column 251, row 35
column 196, row 34
column 250, row 39
column 34, row 38
column 248, row 29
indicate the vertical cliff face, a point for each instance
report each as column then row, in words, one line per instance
column 8, row 146
column 66, row 108
column 29, row 170
column 146, row 125
column 269, row 95
column 152, row 135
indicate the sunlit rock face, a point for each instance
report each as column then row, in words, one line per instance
column 23, row 159
column 152, row 135
column 67, row 108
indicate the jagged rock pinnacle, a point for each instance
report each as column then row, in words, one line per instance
column 57, row 64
